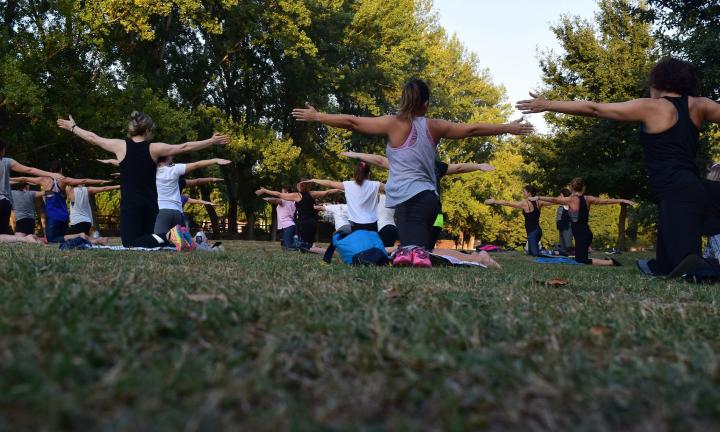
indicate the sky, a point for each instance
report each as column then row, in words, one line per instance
column 506, row 36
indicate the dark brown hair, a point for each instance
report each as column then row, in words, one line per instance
column 140, row 124
column 415, row 95
column 56, row 166
column 674, row 75
column 362, row 172
column 3, row 146
column 565, row 192
column 577, row 184
column 532, row 190
column 303, row 187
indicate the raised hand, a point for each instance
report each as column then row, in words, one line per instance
column 537, row 104
column 630, row 202
column 66, row 124
column 260, row 191
column 519, row 127
column 490, row 201
column 220, row 139
column 486, row 167
column 307, row 114
column 349, row 154
column 222, row 162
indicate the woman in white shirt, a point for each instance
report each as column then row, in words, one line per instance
column 167, row 179
column 361, row 195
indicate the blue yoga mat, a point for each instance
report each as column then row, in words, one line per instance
column 557, row 260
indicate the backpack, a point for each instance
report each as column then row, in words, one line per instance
column 358, row 248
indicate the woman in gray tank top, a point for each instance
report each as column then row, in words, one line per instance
column 24, row 209
column 411, row 188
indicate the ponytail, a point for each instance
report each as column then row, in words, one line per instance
column 362, row 172
column 415, row 95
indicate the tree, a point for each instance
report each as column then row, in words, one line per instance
column 607, row 63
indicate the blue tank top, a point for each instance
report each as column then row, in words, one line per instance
column 56, row 204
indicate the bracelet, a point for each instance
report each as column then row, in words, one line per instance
column 72, row 129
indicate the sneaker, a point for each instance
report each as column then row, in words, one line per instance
column 175, row 237
column 421, row 258
column 403, row 258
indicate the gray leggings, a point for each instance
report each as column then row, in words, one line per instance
column 167, row 219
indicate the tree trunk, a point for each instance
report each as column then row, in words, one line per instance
column 273, row 225
column 622, row 219
column 232, row 219
column 470, row 244
column 212, row 214
column 250, row 216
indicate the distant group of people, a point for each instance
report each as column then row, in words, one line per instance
column 408, row 207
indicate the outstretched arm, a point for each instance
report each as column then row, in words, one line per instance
column 638, row 110
column 463, row 168
column 372, row 159
column 77, row 182
column 364, row 125
column 327, row 183
column 31, row 180
column 109, row 161
column 18, row 167
column 286, row 196
column 201, row 181
column 607, row 201
column 553, row 200
column 95, row 190
column 201, row 202
column 445, row 129
column 513, row 204
column 204, row 164
column 323, row 194
column 711, row 110
column 108, row 144
column 161, row 149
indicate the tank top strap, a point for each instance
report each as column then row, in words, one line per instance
column 682, row 107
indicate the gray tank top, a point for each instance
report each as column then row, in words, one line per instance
column 412, row 166
column 23, row 204
column 80, row 210
column 5, row 191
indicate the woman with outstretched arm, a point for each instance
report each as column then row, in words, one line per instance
column 304, row 200
column 579, row 204
column 531, row 212
column 669, row 120
column 138, row 158
column 411, row 188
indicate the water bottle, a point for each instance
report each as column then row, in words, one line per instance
column 96, row 234
column 199, row 237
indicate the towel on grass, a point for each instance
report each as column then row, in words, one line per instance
column 556, row 260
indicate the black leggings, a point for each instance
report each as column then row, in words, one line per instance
column 5, row 209
column 306, row 231
column 363, row 227
column 415, row 218
column 583, row 238
column 136, row 227
column 683, row 218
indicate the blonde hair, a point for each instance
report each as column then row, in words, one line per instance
column 140, row 124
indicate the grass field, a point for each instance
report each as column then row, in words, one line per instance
column 257, row 339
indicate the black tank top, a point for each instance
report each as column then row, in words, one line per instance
column 137, row 176
column 532, row 219
column 582, row 218
column 671, row 156
column 306, row 207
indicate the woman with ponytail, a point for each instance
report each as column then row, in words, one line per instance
column 531, row 213
column 412, row 139
column 361, row 195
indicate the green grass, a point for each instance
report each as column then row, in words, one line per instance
column 123, row 341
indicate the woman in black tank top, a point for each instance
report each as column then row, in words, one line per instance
column 305, row 199
column 137, row 158
column 687, row 205
column 579, row 204
column 531, row 213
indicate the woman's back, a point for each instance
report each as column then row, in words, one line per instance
column 137, row 175
column 80, row 210
column 362, row 201
column 306, row 207
column 412, row 165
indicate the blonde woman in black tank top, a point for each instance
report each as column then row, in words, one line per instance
column 669, row 122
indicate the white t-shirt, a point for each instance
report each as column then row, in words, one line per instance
column 386, row 216
column 339, row 214
column 168, row 188
column 362, row 201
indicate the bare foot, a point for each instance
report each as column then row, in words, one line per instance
column 99, row 241
column 485, row 259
